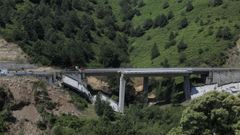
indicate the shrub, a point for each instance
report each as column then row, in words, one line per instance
column 181, row 46
column 210, row 32
column 179, row 1
column 170, row 43
column 170, row 15
column 141, row 3
column 200, row 51
column 149, row 38
column 138, row 32
column 182, row 58
column 189, row 6
column 165, row 63
column 154, row 52
column 224, row 33
column 161, row 21
column 215, row 2
column 103, row 108
column 172, row 36
column 165, row 5
column 183, row 23
column 148, row 24
column 78, row 101
column 42, row 125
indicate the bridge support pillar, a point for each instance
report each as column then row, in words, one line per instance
column 145, row 89
column 50, row 79
column 54, row 78
column 187, row 87
column 121, row 93
column 209, row 79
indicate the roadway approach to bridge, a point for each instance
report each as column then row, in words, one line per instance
column 218, row 76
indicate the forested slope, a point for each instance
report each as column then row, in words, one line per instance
column 64, row 32
column 113, row 33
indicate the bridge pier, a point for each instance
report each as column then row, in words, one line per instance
column 145, row 89
column 187, row 87
column 121, row 93
column 54, row 79
column 50, row 79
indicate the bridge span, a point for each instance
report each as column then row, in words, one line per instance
column 218, row 76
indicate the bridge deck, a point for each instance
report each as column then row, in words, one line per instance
column 152, row 71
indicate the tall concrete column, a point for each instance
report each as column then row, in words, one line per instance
column 82, row 79
column 121, row 93
column 50, row 80
column 145, row 89
column 209, row 79
column 187, row 87
column 54, row 77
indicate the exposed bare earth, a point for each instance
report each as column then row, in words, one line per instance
column 11, row 52
column 63, row 100
column 28, row 116
column 98, row 84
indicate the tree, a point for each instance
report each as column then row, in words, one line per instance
column 165, row 5
column 98, row 106
column 182, row 57
column 214, row 113
column 215, row 3
column 181, row 46
column 35, row 1
column 165, row 63
column 170, row 43
column 148, row 24
column 109, row 20
column 110, row 56
column 141, row 3
column 170, row 15
column 160, row 21
column 183, row 23
column 110, row 32
column 224, row 33
column 103, row 108
column 172, row 36
column 138, row 32
column 189, row 6
column 154, row 52
column 128, row 27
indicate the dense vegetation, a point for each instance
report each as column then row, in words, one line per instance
column 65, row 32
column 214, row 113
column 137, row 120
column 122, row 32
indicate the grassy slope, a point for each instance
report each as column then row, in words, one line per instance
column 140, row 56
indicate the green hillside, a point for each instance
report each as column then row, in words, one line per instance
column 126, row 33
column 204, row 48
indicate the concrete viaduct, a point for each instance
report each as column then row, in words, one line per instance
column 219, row 76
